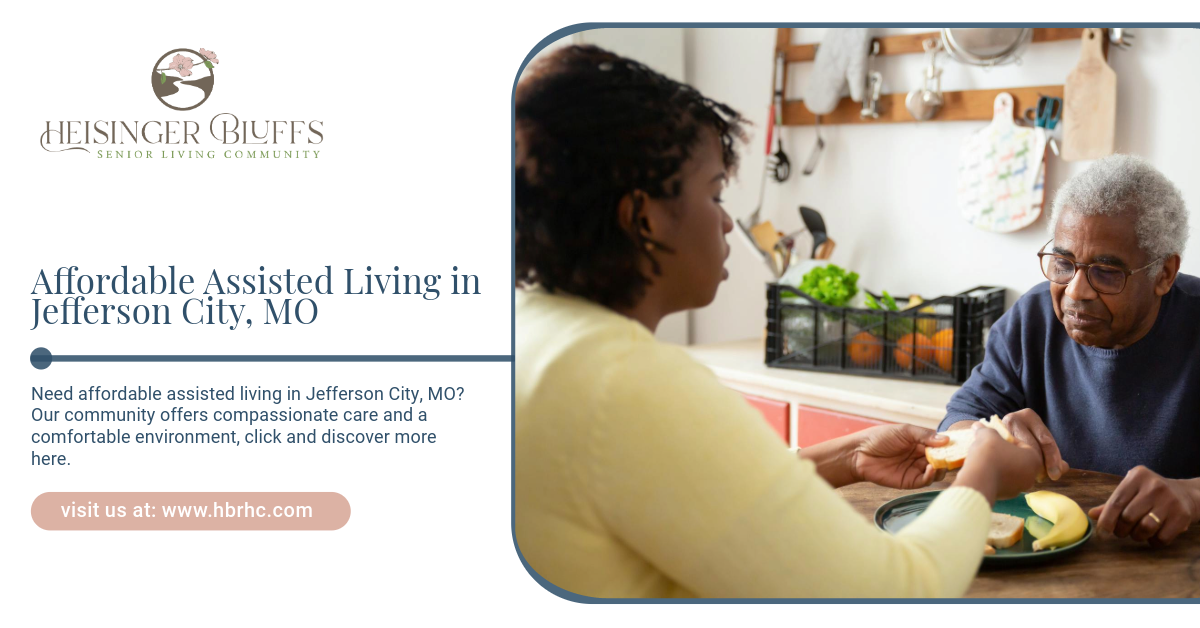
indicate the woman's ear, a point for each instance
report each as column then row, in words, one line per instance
column 636, row 213
column 1166, row 276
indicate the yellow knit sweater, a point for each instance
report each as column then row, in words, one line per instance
column 639, row 475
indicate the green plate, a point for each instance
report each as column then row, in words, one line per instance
column 899, row 512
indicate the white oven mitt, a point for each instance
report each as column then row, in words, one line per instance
column 841, row 58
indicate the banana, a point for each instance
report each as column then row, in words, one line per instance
column 1070, row 522
column 927, row 326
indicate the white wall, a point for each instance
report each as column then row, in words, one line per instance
column 887, row 190
column 663, row 50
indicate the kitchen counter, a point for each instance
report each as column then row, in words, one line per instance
column 739, row 365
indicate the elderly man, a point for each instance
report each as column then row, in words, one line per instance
column 1101, row 365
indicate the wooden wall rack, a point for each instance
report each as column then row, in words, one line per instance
column 973, row 104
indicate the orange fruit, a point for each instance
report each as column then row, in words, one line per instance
column 865, row 349
column 943, row 343
column 911, row 343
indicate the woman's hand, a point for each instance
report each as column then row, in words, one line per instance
column 998, row 469
column 894, row 456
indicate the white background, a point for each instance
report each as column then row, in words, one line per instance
column 414, row 171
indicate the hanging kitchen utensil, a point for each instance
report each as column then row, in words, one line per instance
column 746, row 225
column 924, row 102
column 1120, row 38
column 822, row 246
column 1046, row 115
column 986, row 46
column 788, row 244
column 818, row 148
column 815, row 225
column 785, row 253
column 870, row 107
column 839, row 64
column 1001, row 178
column 781, row 166
column 1089, row 103
column 1048, row 112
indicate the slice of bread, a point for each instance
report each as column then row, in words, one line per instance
column 953, row 455
column 996, row 424
column 1006, row 530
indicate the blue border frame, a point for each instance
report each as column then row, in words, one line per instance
column 583, row 599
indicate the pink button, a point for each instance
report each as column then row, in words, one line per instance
column 190, row 511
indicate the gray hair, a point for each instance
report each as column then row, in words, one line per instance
column 1124, row 182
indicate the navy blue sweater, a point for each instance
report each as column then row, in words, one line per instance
column 1109, row 410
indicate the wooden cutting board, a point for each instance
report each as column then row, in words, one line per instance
column 1001, row 179
column 1090, row 103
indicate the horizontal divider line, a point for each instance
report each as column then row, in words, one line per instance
column 283, row 358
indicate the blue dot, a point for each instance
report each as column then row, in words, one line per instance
column 40, row 358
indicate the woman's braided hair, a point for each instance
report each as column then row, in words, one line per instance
column 591, row 128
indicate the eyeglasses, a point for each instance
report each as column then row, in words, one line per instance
column 1103, row 278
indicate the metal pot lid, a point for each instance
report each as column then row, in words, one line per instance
column 985, row 46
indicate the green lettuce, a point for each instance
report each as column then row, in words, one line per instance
column 830, row 285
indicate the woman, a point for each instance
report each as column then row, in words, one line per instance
column 637, row 473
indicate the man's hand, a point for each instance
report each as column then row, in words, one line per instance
column 894, row 456
column 1027, row 428
column 1127, row 513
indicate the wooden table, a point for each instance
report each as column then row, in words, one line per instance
column 1104, row 567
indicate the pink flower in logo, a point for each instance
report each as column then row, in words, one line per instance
column 210, row 55
column 183, row 64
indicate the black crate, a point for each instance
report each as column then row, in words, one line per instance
column 940, row 340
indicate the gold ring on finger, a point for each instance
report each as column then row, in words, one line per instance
column 1154, row 517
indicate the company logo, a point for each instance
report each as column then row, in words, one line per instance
column 183, row 78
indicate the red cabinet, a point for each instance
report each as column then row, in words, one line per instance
column 775, row 412
column 815, row 425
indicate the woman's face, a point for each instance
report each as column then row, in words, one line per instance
column 694, row 226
